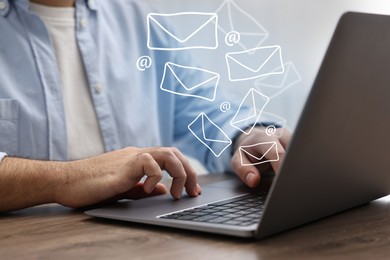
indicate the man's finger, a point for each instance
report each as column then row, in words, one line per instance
column 250, row 175
column 192, row 187
column 169, row 162
column 152, row 170
column 138, row 192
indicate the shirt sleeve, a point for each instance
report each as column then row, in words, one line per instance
column 2, row 155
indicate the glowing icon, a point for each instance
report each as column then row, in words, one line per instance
column 224, row 107
column 254, row 63
column 232, row 38
column 233, row 18
column 245, row 117
column 276, row 84
column 270, row 130
column 201, row 32
column 271, row 120
column 209, row 134
column 144, row 63
column 250, row 152
column 176, row 81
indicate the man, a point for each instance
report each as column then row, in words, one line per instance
column 86, row 125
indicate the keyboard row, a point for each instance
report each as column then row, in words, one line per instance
column 242, row 211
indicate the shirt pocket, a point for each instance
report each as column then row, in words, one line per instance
column 9, row 126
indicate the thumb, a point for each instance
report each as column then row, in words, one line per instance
column 138, row 192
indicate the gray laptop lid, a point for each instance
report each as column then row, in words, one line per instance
column 339, row 156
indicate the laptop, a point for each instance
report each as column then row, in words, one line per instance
column 338, row 157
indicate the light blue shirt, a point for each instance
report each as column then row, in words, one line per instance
column 131, row 108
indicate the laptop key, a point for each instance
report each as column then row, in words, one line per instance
column 241, row 207
column 255, row 215
column 204, row 218
column 199, row 214
column 232, row 216
column 186, row 217
column 245, row 223
column 218, row 220
column 230, row 210
column 243, row 219
column 220, row 213
column 253, row 210
column 232, row 222
column 224, row 202
column 210, row 211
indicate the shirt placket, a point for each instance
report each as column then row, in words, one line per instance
column 86, row 21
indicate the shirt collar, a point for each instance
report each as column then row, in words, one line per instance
column 5, row 5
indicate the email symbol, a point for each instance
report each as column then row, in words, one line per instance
column 200, row 33
column 209, row 134
column 232, row 18
column 254, row 63
column 250, row 152
column 274, row 85
column 176, row 80
column 267, row 119
column 246, row 118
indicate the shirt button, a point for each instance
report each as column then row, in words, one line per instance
column 91, row 3
column 3, row 5
column 83, row 22
column 98, row 88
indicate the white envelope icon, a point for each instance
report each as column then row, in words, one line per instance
column 176, row 80
column 254, row 63
column 200, row 32
column 202, row 127
column 233, row 18
column 274, row 85
column 270, row 155
column 246, row 119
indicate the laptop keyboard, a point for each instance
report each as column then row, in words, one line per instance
column 240, row 211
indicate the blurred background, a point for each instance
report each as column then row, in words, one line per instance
column 302, row 28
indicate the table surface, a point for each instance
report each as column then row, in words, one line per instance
column 56, row 232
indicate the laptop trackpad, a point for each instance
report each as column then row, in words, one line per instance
column 151, row 207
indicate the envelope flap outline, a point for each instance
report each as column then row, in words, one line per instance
column 231, row 5
column 271, row 146
column 212, row 75
column 210, row 17
column 220, row 145
column 279, row 81
column 253, row 112
column 203, row 115
column 237, row 119
column 251, row 155
column 234, row 6
column 269, row 52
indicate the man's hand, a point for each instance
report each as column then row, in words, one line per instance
column 117, row 173
column 251, row 175
column 114, row 175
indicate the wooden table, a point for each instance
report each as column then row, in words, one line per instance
column 55, row 232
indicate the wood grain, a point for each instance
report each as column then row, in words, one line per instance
column 55, row 232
